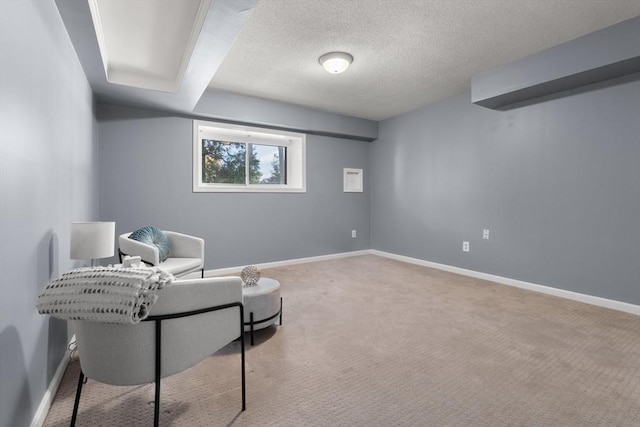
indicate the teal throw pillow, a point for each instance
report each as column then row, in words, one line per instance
column 153, row 236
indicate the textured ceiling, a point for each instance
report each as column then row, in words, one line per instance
column 407, row 53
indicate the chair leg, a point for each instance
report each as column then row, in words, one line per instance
column 156, row 409
column 202, row 273
column 77, row 402
column 244, row 395
column 251, row 322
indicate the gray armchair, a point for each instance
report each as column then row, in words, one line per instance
column 191, row 320
column 187, row 253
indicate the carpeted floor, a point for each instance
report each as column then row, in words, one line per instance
column 368, row 341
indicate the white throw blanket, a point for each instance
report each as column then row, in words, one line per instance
column 103, row 294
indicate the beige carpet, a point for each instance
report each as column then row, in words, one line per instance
column 368, row 341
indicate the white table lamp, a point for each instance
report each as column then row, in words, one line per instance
column 92, row 240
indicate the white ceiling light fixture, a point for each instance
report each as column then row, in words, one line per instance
column 336, row 62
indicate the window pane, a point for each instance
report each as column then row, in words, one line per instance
column 223, row 162
column 239, row 159
column 271, row 162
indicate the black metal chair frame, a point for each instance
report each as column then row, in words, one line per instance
column 158, row 335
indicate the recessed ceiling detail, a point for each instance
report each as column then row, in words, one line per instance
column 145, row 43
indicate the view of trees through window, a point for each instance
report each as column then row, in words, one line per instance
column 226, row 162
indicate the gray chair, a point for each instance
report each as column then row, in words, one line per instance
column 191, row 320
column 187, row 253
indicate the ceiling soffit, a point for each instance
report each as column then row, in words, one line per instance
column 144, row 45
column 223, row 21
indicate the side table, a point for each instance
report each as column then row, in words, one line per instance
column 262, row 304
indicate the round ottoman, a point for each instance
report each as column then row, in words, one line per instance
column 262, row 304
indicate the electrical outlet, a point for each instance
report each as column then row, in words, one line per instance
column 465, row 246
column 353, row 234
column 485, row 234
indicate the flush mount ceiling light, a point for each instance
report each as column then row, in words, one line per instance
column 335, row 62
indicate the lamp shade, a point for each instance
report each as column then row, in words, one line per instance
column 92, row 240
column 335, row 62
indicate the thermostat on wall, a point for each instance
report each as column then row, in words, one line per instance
column 352, row 180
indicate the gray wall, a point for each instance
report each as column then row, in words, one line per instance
column 556, row 182
column 48, row 178
column 146, row 179
column 221, row 105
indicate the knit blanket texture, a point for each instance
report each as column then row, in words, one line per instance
column 103, row 294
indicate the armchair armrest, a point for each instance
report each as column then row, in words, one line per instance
column 148, row 253
column 185, row 246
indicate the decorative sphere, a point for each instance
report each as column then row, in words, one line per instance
column 250, row 275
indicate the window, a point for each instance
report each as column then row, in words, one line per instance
column 233, row 158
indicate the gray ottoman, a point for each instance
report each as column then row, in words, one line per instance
column 262, row 305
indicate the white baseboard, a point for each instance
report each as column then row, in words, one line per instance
column 588, row 299
column 234, row 270
column 47, row 399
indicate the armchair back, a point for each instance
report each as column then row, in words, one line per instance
column 123, row 354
